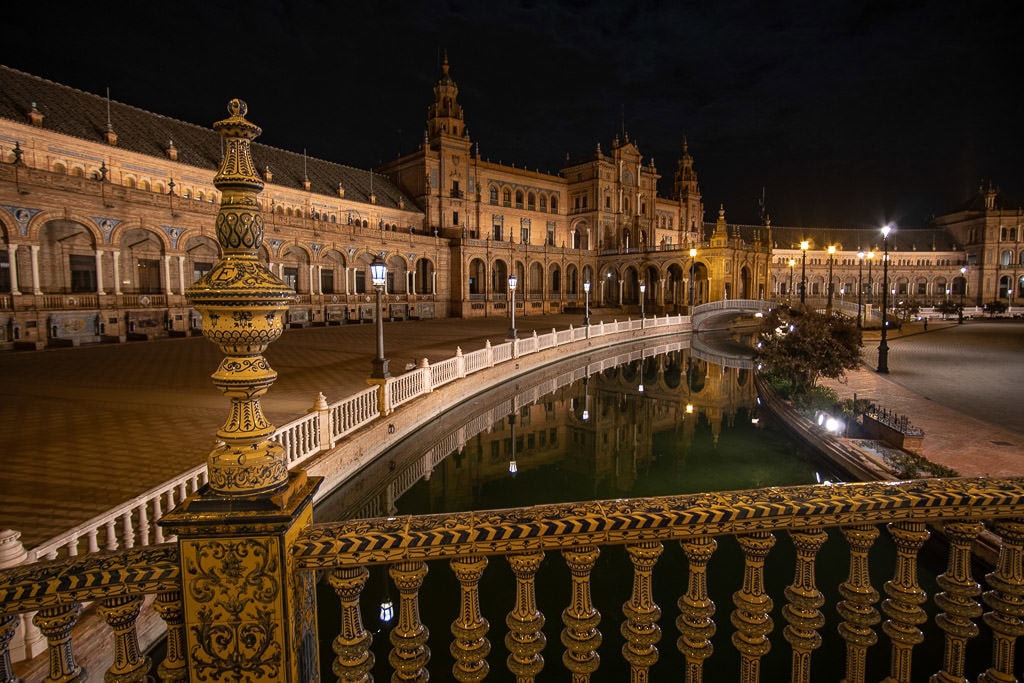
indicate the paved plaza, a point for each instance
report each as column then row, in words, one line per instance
column 86, row 429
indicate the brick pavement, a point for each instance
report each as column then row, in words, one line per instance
column 85, row 429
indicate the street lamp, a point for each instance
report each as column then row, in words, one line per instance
column 883, row 347
column 860, row 288
column 379, row 276
column 693, row 265
column 512, row 282
column 789, row 292
column 871, row 283
column 963, row 290
column 804, row 246
column 831, row 258
column 586, row 310
column 643, row 288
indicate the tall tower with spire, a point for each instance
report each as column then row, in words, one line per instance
column 686, row 191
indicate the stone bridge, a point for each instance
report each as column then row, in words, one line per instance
column 717, row 315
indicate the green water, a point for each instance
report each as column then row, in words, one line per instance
column 632, row 444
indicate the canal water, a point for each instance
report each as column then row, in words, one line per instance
column 626, row 423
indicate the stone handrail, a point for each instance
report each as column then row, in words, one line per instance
column 309, row 435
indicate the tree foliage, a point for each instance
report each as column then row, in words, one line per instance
column 798, row 347
column 947, row 307
column 995, row 307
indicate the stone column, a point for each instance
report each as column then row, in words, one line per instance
column 247, row 613
column 117, row 272
column 99, row 273
column 36, row 289
column 167, row 275
column 12, row 257
column 181, row 274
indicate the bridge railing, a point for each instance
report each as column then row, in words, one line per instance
column 671, row 531
column 319, row 431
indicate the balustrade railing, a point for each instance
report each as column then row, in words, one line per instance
column 303, row 438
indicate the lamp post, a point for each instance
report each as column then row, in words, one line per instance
column 860, row 288
column 831, row 259
column 789, row 292
column 643, row 288
column 804, row 246
column 379, row 274
column 963, row 291
column 883, row 346
column 693, row 265
column 512, row 281
column 871, row 283
column 586, row 309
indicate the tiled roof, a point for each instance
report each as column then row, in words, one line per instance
column 84, row 115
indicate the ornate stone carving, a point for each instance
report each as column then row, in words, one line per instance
column 409, row 654
column 903, row 606
column 803, row 612
column 1006, row 600
column 752, row 606
column 56, row 624
column 640, row 629
column 243, row 305
column 958, row 600
column 129, row 665
column 525, row 639
column 470, row 646
column 696, row 619
column 174, row 668
column 353, row 660
column 580, row 635
column 857, row 608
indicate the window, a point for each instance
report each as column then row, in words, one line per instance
column 922, row 288
column 455, row 217
column 551, row 237
column 497, row 232
column 506, row 197
column 531, row 201
column 519, row 199
column 291, row 277
column 455, row 189
column 554, row 205
column 543, row 203
column 200, row 269
column 608, row 201
column 327, row 281
column 494, row 195
column 524, row 235
column 5, row 272
column 83, row 273
column 1006, row 258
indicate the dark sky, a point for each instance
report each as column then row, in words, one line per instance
column 848, row 113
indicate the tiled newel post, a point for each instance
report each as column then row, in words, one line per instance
column 248, row 614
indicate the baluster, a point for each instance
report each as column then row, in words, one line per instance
column 354, row 661
column 120, row 613
column 695, row 621
column 580, row 635
column 158, row 531
column 409, row 653
column 56, row 623
column 126, row 530
column 803, row 612
column 857, row 606
column 92, row 540
column 640, row 629
column 525, row 639
column 174, row 668
column 143, row 524
column 8, row 625
column 958, row 601
column 903, row 606
column 110, row 534
column 752, row 606
column 1006, row 599
column 470, row 646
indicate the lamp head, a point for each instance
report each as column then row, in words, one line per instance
column 586, row 286
column 643, row 287
column 693, row 252
column 512, row 282
column 860, row 255
column 831, row 249
column 378, row 272
column 805, row 245
column 886, row 230
column 792, row 262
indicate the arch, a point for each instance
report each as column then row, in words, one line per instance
column 676, row 287
column 572, row 280
column 476, row 276
column 1006, row 257
column 519, row 199
column 141, row 262
column 531, row 201
column 201, row 252
column 555, row 281
column 295, row 259
column 332, row 271
column 554, row 203
column 543, row 205
column 745, row 284
column 499, row 277
column 610, row 289
column 423, row 276
column 1005, row 287
column 59, row 167
column 535, row 282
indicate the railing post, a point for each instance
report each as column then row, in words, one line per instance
column 246, row 604
column 803, row 612
column 752, row 606
column 323, row 418
column 903, row 606
column 641, row 629
column 490, row 353
column 120, row 613
column 1006, row 600
column 353, row 660
column 428, row 378
column 460, row 363
column 958, row 600
column 471, row 646
column 857, row 608
column 525, row 639
column 27, row 641
column 409, row 653
column 56, row 623
column 580, row 635
column 696, row 622
column 174, row 667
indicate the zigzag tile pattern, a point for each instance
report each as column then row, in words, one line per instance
column 91, row 577
column 611, row 522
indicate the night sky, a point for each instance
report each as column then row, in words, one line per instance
column 846, row 113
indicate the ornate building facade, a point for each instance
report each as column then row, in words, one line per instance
column 106, row 217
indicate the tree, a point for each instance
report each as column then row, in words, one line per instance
column 995, row 307
column 947, row 308
column 797, row 347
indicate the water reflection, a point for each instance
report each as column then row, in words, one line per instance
column 637, row 421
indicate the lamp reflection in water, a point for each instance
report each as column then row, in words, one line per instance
column 513, row 468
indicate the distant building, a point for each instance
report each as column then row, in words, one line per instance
column 107, row 215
